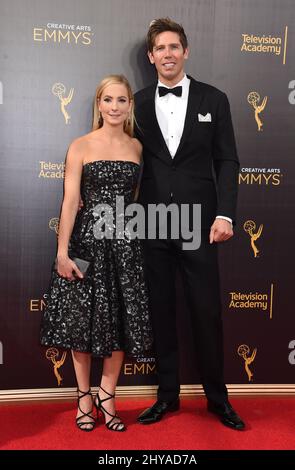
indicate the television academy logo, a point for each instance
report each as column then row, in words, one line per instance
column 51, row 170
column 249, row 301
column 266, row 44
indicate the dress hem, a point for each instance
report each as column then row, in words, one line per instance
column 144, row 353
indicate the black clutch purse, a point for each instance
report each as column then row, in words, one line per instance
column 82, row 264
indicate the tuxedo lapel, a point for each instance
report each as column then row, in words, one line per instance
column 194, row 101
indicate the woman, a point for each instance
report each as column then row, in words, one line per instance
column 105, row 312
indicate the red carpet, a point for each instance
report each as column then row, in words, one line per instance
column 270, row 425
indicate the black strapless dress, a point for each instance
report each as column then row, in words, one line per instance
column 108, row 309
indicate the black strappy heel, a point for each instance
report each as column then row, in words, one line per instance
column 82, row 424
column 114, row 424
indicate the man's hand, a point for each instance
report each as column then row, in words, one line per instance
column 221, row 230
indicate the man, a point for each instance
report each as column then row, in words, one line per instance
column 190, row 158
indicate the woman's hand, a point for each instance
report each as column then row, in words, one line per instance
column 81, row 204
column 67, row 268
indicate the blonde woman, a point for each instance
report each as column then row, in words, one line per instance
column 103, row 312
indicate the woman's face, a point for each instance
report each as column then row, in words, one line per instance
column 114, row 104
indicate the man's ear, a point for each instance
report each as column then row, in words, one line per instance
column 151, row 57
column 186, row 53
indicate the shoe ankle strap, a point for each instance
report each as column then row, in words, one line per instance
column 109, row 394
column 83, row 394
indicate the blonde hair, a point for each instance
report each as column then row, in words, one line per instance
column 113, row 80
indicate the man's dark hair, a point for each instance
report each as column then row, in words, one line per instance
column 160, row 26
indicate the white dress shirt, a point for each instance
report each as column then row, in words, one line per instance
column 171, row 112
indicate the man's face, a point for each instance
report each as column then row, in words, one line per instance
column 168, row 56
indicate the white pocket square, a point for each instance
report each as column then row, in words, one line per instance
column 206, row 118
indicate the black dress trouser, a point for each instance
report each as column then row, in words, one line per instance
column 200, row 276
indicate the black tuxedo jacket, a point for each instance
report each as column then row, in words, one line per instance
column 205, row 168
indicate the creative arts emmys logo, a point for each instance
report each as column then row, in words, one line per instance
column 64, row 33
column 38, row 305
column 52, row 355
column 59, row 90
column 54, row 224
column 143, row 366
column 260, row 176
column 250, row 227
column 244, row 352
column 253, row 99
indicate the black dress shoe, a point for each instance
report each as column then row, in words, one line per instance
column 157, row 411
column 227, row 415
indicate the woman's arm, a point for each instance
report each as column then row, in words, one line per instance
column 73, row 171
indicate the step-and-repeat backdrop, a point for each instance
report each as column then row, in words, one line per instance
column 53, row 54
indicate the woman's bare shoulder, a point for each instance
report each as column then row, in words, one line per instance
column 81, row 144
column 77, row 149
column 137, row 145
column 82, row 141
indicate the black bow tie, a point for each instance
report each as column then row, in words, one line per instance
column 177, row 91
